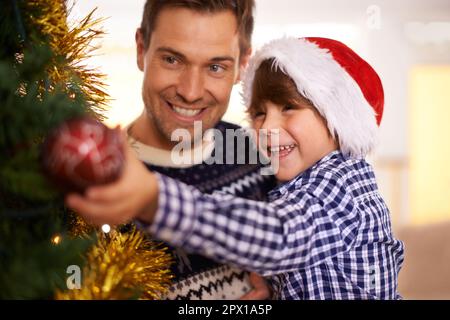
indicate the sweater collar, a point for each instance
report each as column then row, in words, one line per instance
column 164, row 158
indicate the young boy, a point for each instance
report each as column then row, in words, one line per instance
column 326, row 232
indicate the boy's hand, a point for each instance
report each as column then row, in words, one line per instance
column 133, row 195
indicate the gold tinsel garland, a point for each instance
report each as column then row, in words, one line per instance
column 123, row 266
column 74, row 44
column 78, row 227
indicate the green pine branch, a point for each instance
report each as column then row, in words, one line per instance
column 31, row 210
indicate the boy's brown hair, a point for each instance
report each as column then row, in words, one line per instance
column 271, row 84
column 243, row 10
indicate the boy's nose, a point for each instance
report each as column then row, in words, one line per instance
column 270, row 130
column 191, row 85
column 271, row 123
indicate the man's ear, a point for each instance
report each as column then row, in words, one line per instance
column 243, row 62
column 140, row 49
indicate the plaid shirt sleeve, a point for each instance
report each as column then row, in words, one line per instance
column 298, row 231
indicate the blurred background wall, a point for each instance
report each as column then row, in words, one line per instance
column 408, row 43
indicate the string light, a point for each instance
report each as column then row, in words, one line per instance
column 106, row 228
column 56, row 239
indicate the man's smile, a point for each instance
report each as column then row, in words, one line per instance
column 186, row 114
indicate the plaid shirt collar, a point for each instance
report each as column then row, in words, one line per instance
column 283, row 188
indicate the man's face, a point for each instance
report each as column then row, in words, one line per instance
column 190, row 67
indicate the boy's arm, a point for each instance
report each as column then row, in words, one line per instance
column 286, row 235
column 298, row 231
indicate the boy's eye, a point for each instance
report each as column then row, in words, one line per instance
column 258, row 115
column 287, row 107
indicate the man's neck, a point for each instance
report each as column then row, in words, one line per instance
column 153, row 149
column 144, row 131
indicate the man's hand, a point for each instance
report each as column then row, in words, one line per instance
column 133, row 195
column 261, row 290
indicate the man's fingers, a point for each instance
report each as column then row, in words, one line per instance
column 257, row 281
column 260, row 290
column 255, row 295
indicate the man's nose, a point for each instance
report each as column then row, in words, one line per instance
column 191, row 85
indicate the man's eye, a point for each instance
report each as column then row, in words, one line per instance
column 170, row 60
column 216, row 68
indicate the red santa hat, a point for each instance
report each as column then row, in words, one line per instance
column 342, row 86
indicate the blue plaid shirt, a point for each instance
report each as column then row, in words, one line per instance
column 324, row 235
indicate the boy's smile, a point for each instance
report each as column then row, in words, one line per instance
column 281, row 150
column 299, row 137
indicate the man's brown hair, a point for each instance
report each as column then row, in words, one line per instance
column 272, row 85
column 243, row 10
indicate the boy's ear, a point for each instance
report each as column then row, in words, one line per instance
column 140, row 49
column 243, row 62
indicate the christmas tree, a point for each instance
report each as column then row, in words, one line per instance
column 44, row 81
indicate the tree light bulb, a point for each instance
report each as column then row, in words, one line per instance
column 56, row 239
column 106, row 228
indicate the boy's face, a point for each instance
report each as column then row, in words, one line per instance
column 190, row 67
column 299, row 138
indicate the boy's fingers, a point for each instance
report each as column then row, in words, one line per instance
column 97, row 212
column 81, row 205
column 108, row 192
column 130, row 153
column 72, row 200
column 113, row 190
column 87, row 209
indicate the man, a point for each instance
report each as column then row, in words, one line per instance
column 192, row 52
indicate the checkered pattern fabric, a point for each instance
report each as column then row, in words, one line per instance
column 323, row 235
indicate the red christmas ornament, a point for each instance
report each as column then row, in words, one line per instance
column 82, row 152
